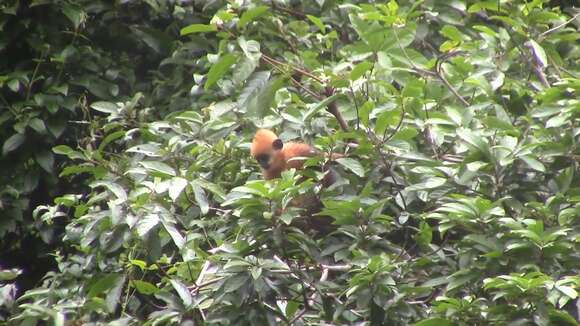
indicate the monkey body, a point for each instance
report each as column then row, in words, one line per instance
column 274, row 157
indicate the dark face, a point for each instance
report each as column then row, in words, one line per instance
column 265, row 159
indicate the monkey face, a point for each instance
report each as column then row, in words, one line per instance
column 266, row 159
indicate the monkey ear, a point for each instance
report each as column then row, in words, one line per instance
column 277, row 144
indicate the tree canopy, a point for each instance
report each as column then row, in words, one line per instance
column 129, row 195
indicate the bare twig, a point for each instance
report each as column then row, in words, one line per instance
column 331, row 107
column 297, row 69
column 557, row 27
column 441, row 76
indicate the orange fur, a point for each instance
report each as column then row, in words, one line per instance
column 275, row 157
column 279, row 160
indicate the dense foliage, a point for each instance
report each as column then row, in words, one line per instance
column 127, row 177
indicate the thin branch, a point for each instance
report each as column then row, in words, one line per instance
column 293, row 13
column 333, row 109
column 441, row 76
column 557, row 27
column 385, row 138
column 297, row 69
column 328, row 91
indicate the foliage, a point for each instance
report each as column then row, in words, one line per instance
column 457, row 201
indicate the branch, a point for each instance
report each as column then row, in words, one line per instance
column 440, row 75
column 331, row 107
column 557, row 27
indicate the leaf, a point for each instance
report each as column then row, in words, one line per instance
column 13, row 143
column 248, row 101
column 386, row 119
column 360, row 69
column 113, row 297
column 37, row 125
column 65, row 150
column 157, row 40
column 434, row 322
column 251, row 14
column 197, row 28
column 538, row 53
column 182, row 291
column 320, row 105
column 176, row 236
column 111, row 137
column 533, row 163
column 316, row 21
column 9, row 274
column 158, row 167
column 176, row 186
column 103, row 284
column 74, row 14
column 200, row 197
column 115, row 188
column 146, row 224
column 145, row 288
column 352, row 165
column 45, row 159
column 105, row 107
column 235, row 282
column 474, row 140
column 218, row 69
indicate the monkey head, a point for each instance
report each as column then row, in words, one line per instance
column 267, row 150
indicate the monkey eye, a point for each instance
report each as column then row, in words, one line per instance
column 277, row 144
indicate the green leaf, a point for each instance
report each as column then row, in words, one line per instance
column 105, row 107
column 115, row 188
column 385, row 120
column 316, row 21
column 65, row 150
column 103, row 284
column 182, row 291
column 9, row 274
column 434, row 322
column 176, row 186
column 200, row 197
column 360, row 69
column 197, row 28
column 539, row 53
column 352, row 165
column 248, row 101
column 218, row 69
column 319, row 106
column 474, row 140
column 533, row 163
column 111, row 137
column 145, row 288
column 158, row 168
column 146, row 224
column 251, row 14
column 45, row 159
column 37, row 125
column 13, row 143
column 75, row 14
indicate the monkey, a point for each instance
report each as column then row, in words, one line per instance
column 275, row 156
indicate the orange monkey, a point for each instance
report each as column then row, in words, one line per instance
column 274, row 157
